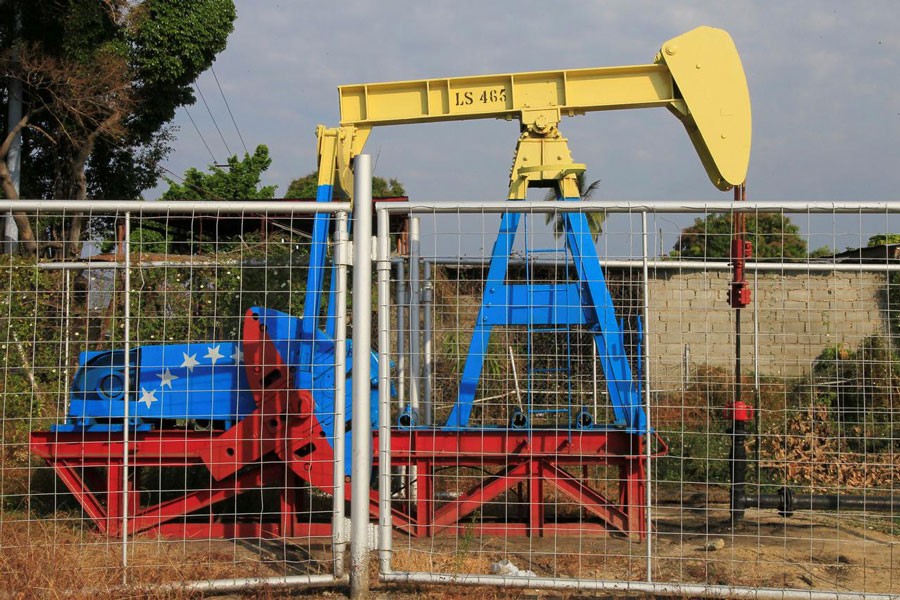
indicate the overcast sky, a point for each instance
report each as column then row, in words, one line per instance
column 824, row 81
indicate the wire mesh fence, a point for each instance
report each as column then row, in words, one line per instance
column 551, row 410
column 652, row 438
column 151, row 402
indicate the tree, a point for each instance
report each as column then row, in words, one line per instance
column 822, row 252
column 884, row 239
column 595, row 219
column 772, row 234
column 102, row 81
column 305, row 187
column 209, row 301
column 240, row 180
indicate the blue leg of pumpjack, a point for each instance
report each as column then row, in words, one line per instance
column 586, row 303
column 598, row 305
column 314, row 281
column 494, row 294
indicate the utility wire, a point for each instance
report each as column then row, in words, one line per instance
column 203, row 139
column 178, row 178
column 203, row 192
column 211, row 116
column 230, row 114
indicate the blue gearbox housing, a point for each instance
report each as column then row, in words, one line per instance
column 204, row 385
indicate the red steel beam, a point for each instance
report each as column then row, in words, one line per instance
column 456, row 510
column 536, row 455
column 587, row 497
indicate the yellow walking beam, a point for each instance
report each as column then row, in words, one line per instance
column 698, row 76
column 510, row 96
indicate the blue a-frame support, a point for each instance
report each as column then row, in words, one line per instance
column 585, row 302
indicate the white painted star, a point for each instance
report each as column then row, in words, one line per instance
column 167, row 378
column 148, row 398
column 214, row 353
column 190, row 361
column 238, row 356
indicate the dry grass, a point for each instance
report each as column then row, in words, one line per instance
column 58, row 558
column 459, row 561
column 808, row 452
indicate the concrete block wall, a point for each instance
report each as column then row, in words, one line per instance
column 796, row 316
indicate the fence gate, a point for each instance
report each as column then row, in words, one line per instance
column 651, row 443
column 167, row 422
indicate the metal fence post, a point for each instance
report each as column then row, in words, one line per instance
column 401, row 302
column 127, row 384
column 415, row 323
column 645, row 360
column 361, row 386
column 384, row 394
column 342, row 259
column 427, row 304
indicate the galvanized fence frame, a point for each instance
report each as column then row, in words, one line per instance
column 646, row 586
column 361, row 466
column 130, row 211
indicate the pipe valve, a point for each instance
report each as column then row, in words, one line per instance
column 738, row 411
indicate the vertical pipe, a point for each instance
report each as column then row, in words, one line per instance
column 361, row 382
column 415, row 349
column 126, row 377
column 401, row 333
column 594, row 359
column 756, row 391
column 738, row 434
column 646, row 376
column 384, row 394
column 341, row 259
column 402, row 299
column 738, row 427
column 66, row 350
column 427, row 344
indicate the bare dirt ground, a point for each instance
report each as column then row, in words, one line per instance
column 805, row 551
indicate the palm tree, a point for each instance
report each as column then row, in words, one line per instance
column 594, row 219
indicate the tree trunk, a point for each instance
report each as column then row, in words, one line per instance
column 78, row 179
column 27, row 243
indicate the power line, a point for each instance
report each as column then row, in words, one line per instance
column 203, row 192
column 211, row 116
column 224, row 99
column 203, row 139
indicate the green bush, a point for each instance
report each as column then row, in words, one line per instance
column 861, row 389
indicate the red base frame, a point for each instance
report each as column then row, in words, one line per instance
column 528, row 462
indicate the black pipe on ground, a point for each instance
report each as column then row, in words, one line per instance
column 786, row 502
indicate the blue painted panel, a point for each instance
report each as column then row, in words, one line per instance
column 524, row 304
column 201, row 382
column 204, row 382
